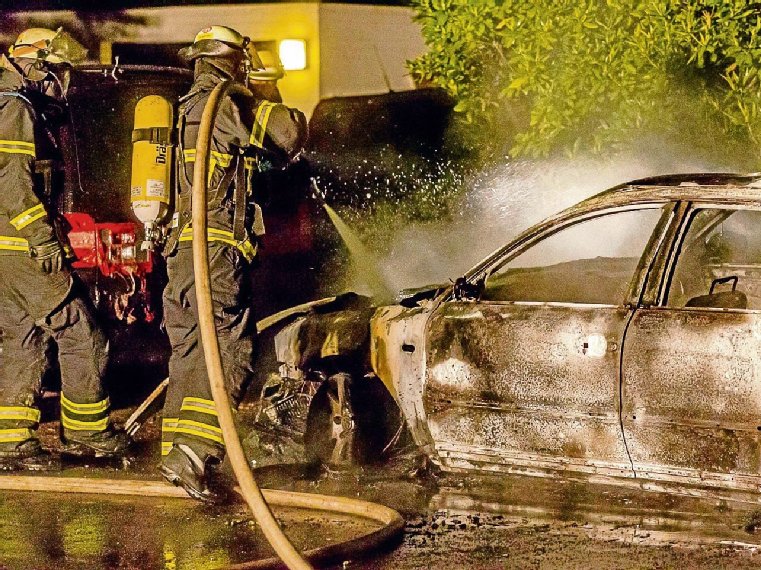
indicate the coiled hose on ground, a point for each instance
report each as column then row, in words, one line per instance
column 257, row 500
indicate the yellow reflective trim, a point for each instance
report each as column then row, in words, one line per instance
column 93, row 408
column 255, row 129
column 200, row 410
column 19, row 413
column 170, row 558
column 14, row 243
column 77, row 425
column 201, row 425
column 188, row 231
column 18, row 147
column 12, row 239
column 18, row 151
column 260, row 124
column 168, row 427
column 30, row 220
column 15, row 435
column 166, row 447
column 225, row 233
column 223, row 159
column 211, row 238
column 28, row 216
column 245, row 247
column 212, row 167
column 17, row 143
column 199, row 400
column 201, row 435
column 264, row 125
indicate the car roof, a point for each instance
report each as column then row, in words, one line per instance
column 731, row 188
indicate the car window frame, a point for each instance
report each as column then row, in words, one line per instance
column 550, row 227
column 691, row 209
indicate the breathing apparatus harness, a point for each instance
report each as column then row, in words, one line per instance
column 44, row 167
column 235, row 175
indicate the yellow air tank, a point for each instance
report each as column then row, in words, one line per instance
column 152, row 165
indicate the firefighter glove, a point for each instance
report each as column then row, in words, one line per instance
column 49, row 256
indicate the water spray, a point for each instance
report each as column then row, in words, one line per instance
column 360, row 254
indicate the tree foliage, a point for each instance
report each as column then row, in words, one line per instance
column 594, row 75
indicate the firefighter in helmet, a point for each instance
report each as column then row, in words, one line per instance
column 250, row 132
column 40, row 299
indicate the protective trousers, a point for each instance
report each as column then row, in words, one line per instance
column 189, row 414
column 35, row 307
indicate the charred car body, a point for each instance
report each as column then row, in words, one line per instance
column 619, row 338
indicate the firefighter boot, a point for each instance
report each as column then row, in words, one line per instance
column 29, row 456
column 182, row 467
column 110, row 443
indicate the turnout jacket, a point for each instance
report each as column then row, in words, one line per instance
column 249, row 134
column 25, row 140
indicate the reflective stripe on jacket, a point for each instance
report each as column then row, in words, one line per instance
column 246, row 128
column 23, row 217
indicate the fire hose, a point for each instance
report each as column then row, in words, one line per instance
column 257, row 500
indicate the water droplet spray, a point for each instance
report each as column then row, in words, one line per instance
column 361, row 256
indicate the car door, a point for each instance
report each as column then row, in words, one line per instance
column 692, row 357
column 527, row 377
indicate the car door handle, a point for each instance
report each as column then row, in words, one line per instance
column 596, row 345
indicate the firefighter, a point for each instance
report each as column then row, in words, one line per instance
column 40, row 299
column 250, row 134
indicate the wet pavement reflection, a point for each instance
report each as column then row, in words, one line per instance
column 454, row 521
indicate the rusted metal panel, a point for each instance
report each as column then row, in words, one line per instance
column 339, row 335
column 503, row 433
column 692, row 394
column 397, row 350
column 533, row 379
column 493, row 461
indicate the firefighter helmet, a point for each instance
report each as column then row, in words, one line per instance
column 42, row 44
column 221, row 41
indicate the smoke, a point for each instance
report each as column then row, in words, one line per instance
column 499, row 204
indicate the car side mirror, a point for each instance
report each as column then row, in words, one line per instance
column 463, row 290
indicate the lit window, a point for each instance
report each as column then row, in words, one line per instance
column 293, row 54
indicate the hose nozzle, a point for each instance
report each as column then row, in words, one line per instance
column 317, row 193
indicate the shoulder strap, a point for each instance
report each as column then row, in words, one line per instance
column 218, row 195
column 239, row 200
column 24, row 98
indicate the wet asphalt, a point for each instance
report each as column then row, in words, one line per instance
column 453, row 521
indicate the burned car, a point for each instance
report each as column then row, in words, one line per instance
column 620, row 338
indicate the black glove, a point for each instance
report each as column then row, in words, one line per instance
column 49, row 256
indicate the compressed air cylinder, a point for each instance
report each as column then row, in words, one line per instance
column 151, row 162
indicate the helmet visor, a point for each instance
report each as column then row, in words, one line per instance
column 65, row 49
column 255, row 62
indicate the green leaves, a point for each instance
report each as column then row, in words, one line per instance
column 572, row 76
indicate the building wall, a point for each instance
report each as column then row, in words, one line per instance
column 360, row 45
column 261, row 22
column 349, row 46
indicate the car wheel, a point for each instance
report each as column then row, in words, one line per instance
column 351, row 422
